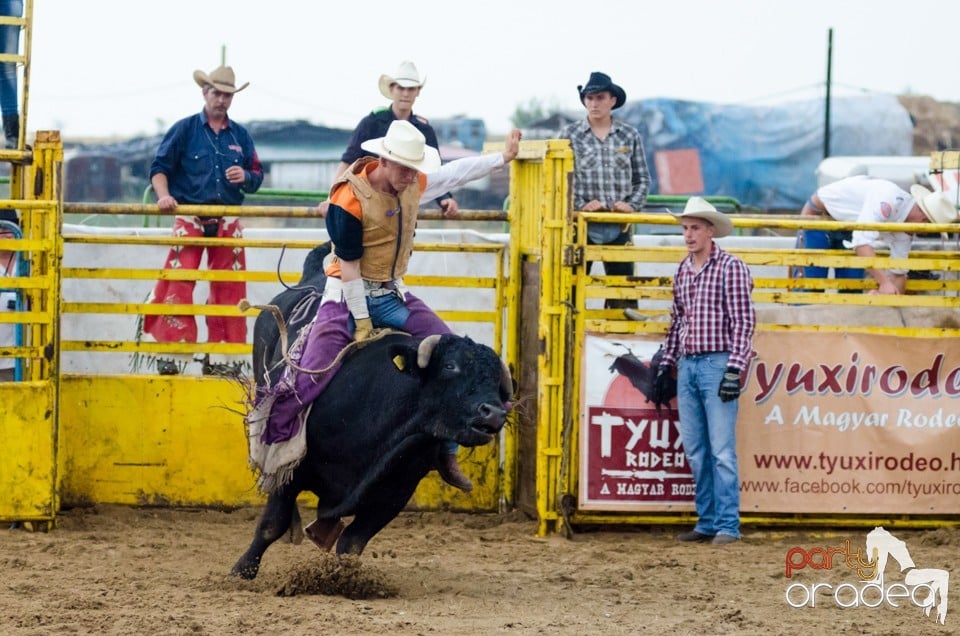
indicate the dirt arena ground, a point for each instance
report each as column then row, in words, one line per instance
column 116, row 570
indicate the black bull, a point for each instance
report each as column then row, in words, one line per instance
column 378, row 427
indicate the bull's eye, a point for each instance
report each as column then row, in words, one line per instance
column 451, row 366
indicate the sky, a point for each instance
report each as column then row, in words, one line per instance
column 121, row 68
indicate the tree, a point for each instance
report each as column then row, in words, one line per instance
column 534, row 110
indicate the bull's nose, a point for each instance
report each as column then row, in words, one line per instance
column 492, row 416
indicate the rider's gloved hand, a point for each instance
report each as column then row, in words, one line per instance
column 730, row 384
column 363, row 330
column 660, row 392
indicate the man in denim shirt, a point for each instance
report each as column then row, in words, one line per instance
column 204, row 159
column 609, row 168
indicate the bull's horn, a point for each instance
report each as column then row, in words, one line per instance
column 506, row 381
column 425, row 350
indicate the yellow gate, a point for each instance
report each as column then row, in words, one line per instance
column 29, row 408
column 140, row 438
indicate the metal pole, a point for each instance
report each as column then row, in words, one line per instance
column 826, row 118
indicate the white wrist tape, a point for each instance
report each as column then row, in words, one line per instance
column 356, row 298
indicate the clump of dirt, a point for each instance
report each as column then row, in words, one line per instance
column 334, row 575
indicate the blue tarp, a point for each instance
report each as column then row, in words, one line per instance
column 766, row 156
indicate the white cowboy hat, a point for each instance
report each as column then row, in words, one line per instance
column 700, row 208
column 406, row 76
column 936, row 205
column 405, row 145
column 221, row 78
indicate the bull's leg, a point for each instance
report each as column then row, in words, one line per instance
column 377, row 511
column 272, row 525
column 365, row 524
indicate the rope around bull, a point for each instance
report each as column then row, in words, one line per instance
column 377, row 334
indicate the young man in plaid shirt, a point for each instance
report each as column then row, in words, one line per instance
column 711, row 341
column 609, row 168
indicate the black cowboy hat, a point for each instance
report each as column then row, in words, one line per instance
column 600, row 82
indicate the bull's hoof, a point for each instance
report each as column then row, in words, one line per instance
column 324, row 532
column 245, row 571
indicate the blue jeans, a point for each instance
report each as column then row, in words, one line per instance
column 708, row 432
column 9, row 43
column 387, row 311
column 824, row 240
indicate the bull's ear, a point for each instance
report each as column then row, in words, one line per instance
column 404, row 358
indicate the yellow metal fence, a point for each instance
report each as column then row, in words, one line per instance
column 84, row 434
column 133, row 437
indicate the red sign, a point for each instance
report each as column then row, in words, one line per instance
column 631, row 455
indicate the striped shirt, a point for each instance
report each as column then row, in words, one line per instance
column 712, row 310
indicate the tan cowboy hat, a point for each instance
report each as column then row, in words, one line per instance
column 405, row 145
column 221, row 78
column 406, row 75
column 700, row 208
column 936, row 205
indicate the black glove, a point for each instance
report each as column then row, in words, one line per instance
column 730, row 385
column 660, row 392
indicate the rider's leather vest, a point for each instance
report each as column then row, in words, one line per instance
column 388, row 224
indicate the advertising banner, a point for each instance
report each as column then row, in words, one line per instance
column 828, row 424
column 847, row 423
column 630, row 455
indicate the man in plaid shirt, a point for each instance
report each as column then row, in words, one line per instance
column 711, row 341
column 610, row 168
